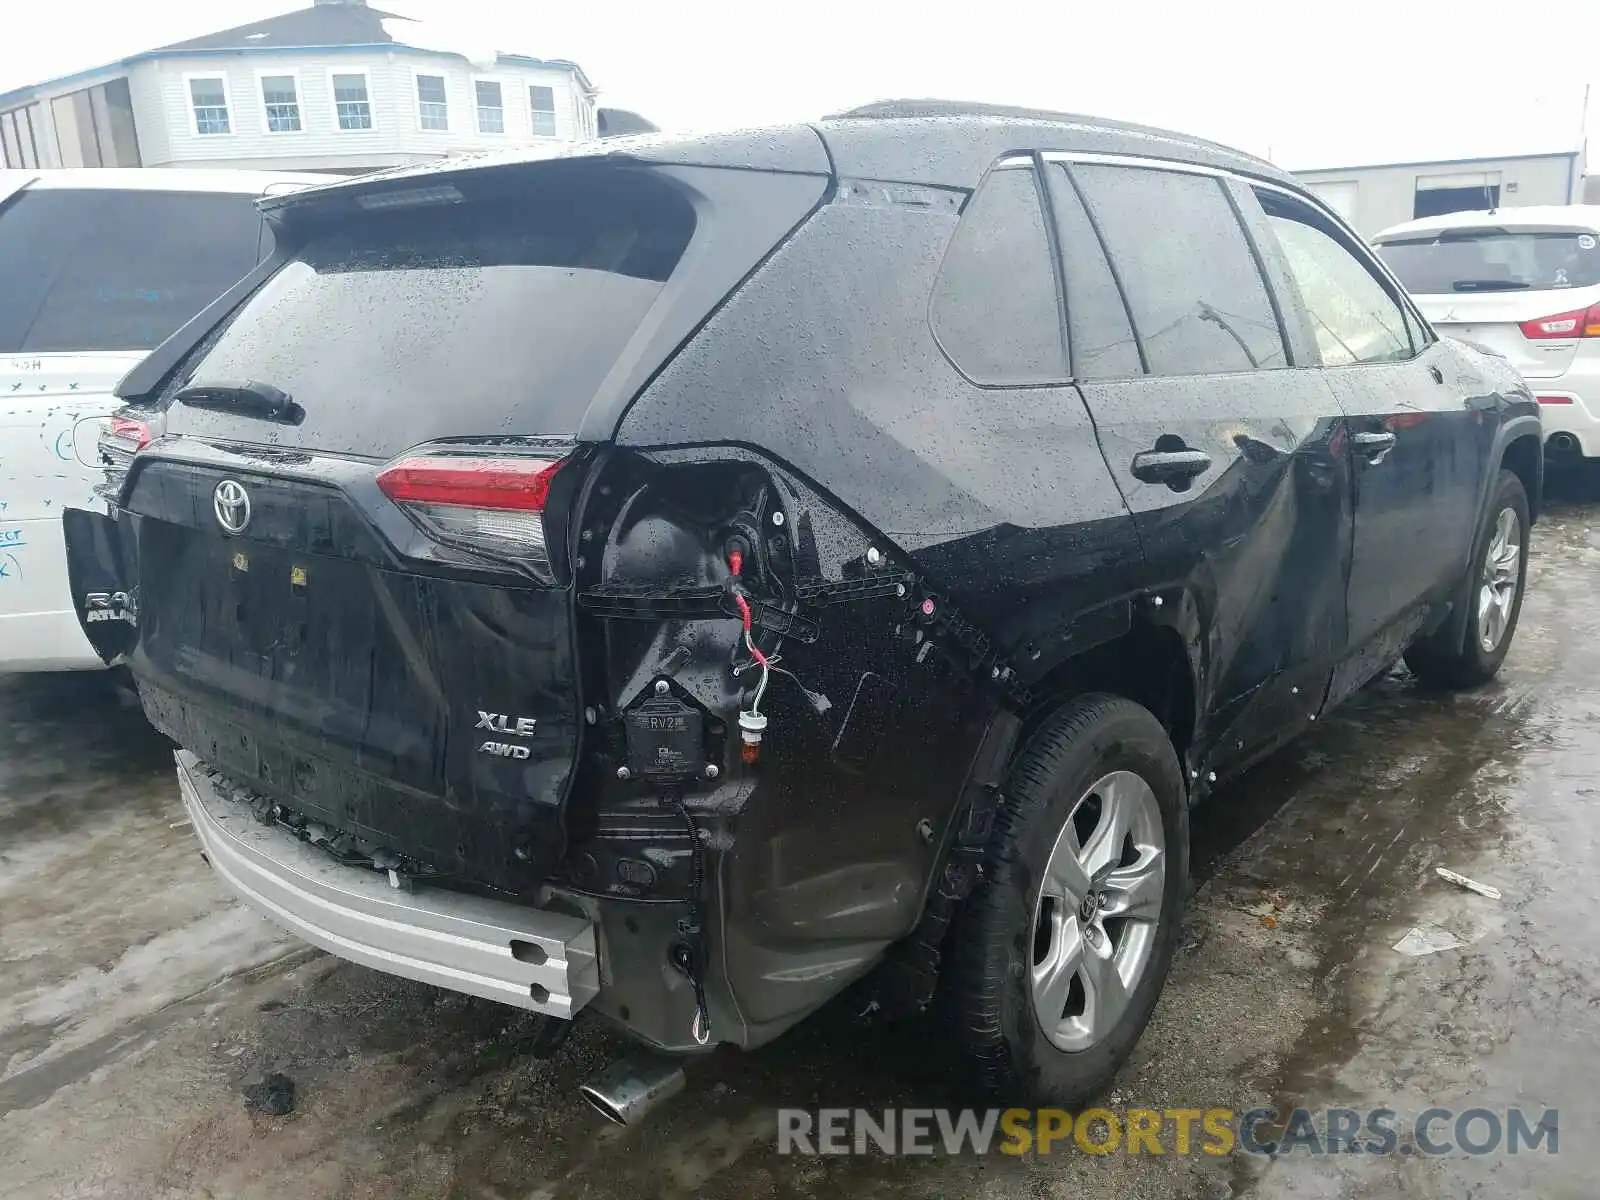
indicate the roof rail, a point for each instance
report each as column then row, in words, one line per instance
column 891, row 109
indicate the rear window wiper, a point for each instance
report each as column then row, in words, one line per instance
column 1489, row 285
column 247, row 397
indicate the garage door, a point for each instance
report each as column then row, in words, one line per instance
column 1339, row 196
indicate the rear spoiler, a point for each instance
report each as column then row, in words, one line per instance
column 790, row 150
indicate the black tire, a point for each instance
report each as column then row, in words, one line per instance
column 1464, row 662
column 986, row 977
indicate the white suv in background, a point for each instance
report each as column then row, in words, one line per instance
column 97, row 267
column 1525, row 283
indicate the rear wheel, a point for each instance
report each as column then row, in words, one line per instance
column 1057, row 959
column 1497, row 575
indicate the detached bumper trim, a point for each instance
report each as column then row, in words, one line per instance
column 523, row 956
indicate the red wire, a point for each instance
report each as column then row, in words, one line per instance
column 744, row 612
column 735, row 563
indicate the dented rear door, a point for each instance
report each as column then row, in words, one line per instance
column 1230, row 458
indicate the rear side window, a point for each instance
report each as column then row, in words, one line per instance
column 116, row 269
column 507, row 308
column 1101, row 336
column 995, row 310
column 1494, row 260
column 1354, row 317
column 1198, row 300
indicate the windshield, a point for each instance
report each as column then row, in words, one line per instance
column 500, row 314
column 1487, row 260
column 116, row 269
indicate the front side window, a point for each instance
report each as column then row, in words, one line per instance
column 91, row 269
column 433, row 108
column 995, row 309
column 351, row 102
column 542, row 106
column 491, row 111
column 282, row 101
column 1354, row 317
column 1192, row 283
column 209, row 99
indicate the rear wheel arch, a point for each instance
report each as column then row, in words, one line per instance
column 1149, row 665
column 991, row 990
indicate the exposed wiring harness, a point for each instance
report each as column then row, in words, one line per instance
column 692, row 963
column 735, row 566
column 768, row 663
column 819, row 703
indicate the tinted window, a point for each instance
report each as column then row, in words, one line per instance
column 1198, row 299
column 995, row 309
column 506, row 309
column 1494, row 260
column 1354, row 317
column 1100, row 334
column 116, row 269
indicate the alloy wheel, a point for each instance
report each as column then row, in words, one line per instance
column 1502, row 578
column 1100, row 899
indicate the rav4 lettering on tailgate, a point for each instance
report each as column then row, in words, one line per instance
column 110, row 606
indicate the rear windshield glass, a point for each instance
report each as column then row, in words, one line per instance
column 116, row 269
column 1494, row 260
column 504, row 312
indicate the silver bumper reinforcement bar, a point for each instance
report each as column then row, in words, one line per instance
column 517, row 954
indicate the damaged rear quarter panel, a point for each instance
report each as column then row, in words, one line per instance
column 995, row 500
column 821, row 851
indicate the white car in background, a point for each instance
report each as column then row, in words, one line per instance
column 97, row 267
column 1525, row 283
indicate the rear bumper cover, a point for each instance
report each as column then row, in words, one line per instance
column 1573, row 418
column 527, row 957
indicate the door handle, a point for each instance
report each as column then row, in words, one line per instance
column 1175, row 468
column 1373, row 446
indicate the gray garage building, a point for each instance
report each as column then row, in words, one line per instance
column 1372, row 198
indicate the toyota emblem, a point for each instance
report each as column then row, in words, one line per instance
column 231, row 503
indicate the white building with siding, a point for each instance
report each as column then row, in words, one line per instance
column 1372, row 198
column 333, row 87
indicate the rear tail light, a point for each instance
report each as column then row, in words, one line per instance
column 134, row 434
column 491, row 504
column 1580, row 322
column 1554, row 399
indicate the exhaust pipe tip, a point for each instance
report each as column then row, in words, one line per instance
column 631, row 1088
column 1563, row 443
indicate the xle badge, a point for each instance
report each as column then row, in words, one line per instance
column 522, row 727
column 506, row 726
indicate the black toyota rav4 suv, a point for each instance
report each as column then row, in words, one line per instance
column 683, row 578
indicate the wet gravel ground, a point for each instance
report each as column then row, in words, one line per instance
column 137, row 1003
